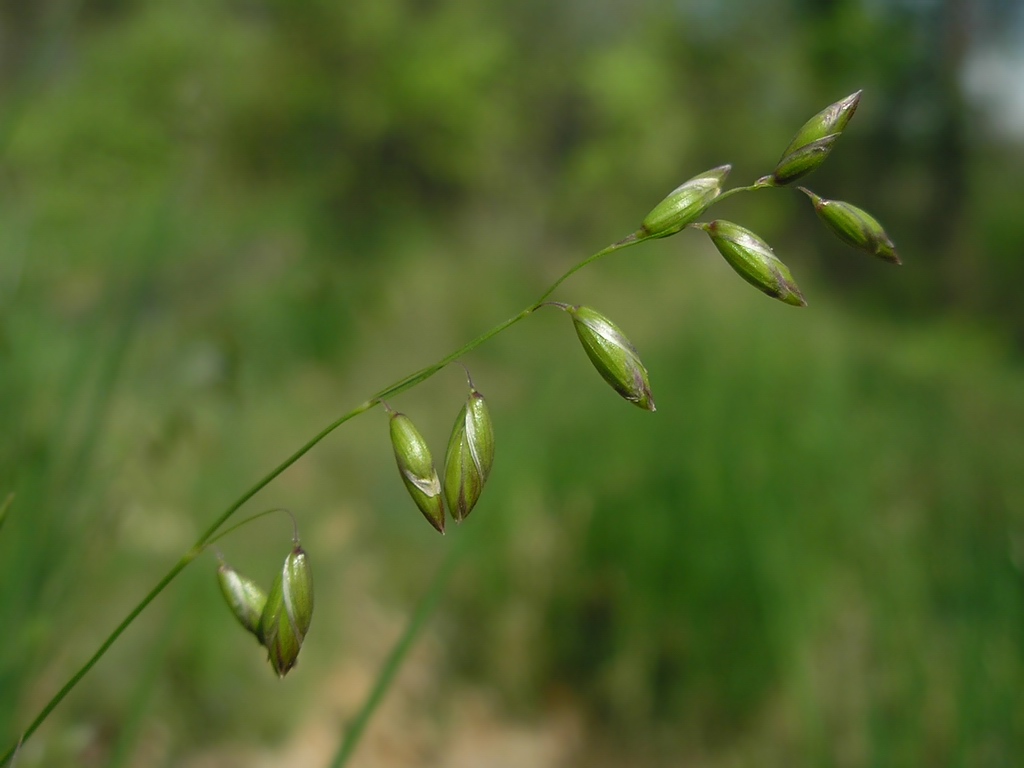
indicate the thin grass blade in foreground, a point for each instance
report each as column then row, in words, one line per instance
column 399, row 652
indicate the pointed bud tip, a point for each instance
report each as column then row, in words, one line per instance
column 796, row 299
column 839, row 114
column 814, row 141
column 789, row 291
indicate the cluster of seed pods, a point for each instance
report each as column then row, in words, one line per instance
column 281, row 619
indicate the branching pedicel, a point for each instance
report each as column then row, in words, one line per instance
column 281, row 618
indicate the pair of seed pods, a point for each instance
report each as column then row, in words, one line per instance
column 467, row 464
column 279, row 620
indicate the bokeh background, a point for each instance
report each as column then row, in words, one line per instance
column 224, row 223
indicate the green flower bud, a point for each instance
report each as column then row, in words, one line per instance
column 614, row 357
column 243, row 596
column 854, row 226
column 416, row 466
column 470, row 456
column 684, row 204
column 814, row 140
column 288, row 612
column 754, row 261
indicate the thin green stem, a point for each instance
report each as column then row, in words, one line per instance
column 759, row 184
column 423, row 374
column 397, row 655
column 623, row 243
column 178, row 567
column 73, row 681
column 253, row 519
column 130, row 727
column 394, row 389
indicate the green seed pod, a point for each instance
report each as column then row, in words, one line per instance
column 814, row 140
column 754, row 261
column 685, row 203
column 288, row 612
column 416, row 466
column 854, row 226
column 243, row 596
column 614, row 357
column 470, row 456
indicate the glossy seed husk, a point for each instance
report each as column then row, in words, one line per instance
column 416, row 467
column 612, row 354
column 755, row 261
column 685, row 203
column 803, row 160
column 289, row 610
column 854, row 226
column 814, row 141
column 243, row 596
column 469, row 457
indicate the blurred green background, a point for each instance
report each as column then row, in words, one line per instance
column 224, row 223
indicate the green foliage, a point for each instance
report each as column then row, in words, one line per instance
column 799, row 534
column 218, row 224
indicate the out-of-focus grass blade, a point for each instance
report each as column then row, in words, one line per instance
column 4, row 507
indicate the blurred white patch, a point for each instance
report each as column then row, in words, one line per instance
column 993, row 80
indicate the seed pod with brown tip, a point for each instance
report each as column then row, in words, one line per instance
column 286, row 617
column 814, row 141
column 416, row 466
column 684, row 204
column 470, row 456
column 243, row 596
column 615, row 358
column 754, row 261
column 854, row 226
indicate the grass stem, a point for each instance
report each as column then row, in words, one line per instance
column 394, row 389
column 397, row 655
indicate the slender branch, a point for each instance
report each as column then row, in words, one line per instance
column 394, row 389
column 623, row 243
column 759, row 184
column 253, row 519
column 75, row 678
